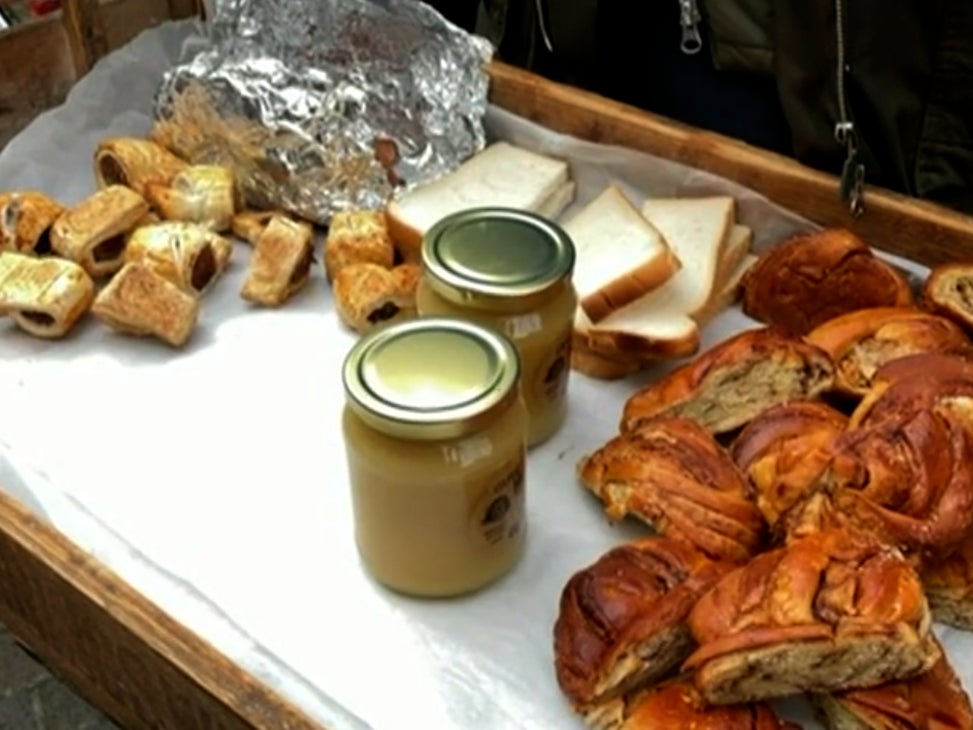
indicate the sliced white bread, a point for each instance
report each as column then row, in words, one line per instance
column 661, row 323
column 501, row 175
column 559, row 200
column 620, row 255
column 728, row 292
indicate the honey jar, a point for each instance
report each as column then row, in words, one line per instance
column 510, row 270
column 435, row 436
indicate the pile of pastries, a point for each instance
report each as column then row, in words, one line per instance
column 141, row 252
column 810, row 486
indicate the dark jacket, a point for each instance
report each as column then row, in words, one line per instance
column 768, row 74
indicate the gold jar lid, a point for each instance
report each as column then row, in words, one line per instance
column 496, row 254
column 431, row 378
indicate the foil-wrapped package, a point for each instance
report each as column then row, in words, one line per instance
column 327, row 105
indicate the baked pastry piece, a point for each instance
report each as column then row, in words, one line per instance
column 784, row 451
column 140, row 302
column 677, row 705
column 281, row 262
column 135, row 163
column 247, row 225
column 729, row 384
column 204, row 194
column 948, row 291
column 357, row 237
column 367, row 295
column 835, row 610
column 25, row 222
column 671, row 474
column 622, row 620
column 949, row 586
column 602, row 365
column 813, row 277
column 45, row 296
column 93, row 232
column 934, row 700
column 187, row 254
column 860, row 342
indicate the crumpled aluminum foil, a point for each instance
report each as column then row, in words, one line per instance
column 328, row 105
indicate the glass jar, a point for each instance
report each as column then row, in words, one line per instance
column 510, row 270
column 435, row 435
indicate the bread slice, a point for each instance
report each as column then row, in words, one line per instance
column 620, row 255
column 501, row 175
column 728, row 292
column 661, row 323
column 737, row 248
column 558, row 201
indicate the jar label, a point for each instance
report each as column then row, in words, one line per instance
column 499, row 514
column 554, row 378
column 524, row 325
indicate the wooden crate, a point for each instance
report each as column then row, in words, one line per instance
column 115, row 646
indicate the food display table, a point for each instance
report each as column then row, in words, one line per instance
column 175, row 531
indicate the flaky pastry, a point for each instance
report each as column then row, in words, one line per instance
column 187, row 254
column 281, row 262
column 247, row 225
column 25, row 222
column 43, row 296
column 357, row 237
column 949, row 586
column 367, row 295
column 204, row 194
column 135, row 163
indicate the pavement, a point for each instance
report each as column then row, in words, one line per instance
column 31, row 698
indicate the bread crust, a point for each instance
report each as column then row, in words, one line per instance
column 813, row 277
column 831, row 611
column 734, row 381
column 673, row 475
column 621, row 621
column 629, row 287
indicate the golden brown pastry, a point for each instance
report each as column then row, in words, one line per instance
column 622, row 620
column 204, row 194
column 138, row 301
column 25, row 222
column 948, row 292
column 813, row 277
column 247, row 225
column 671, row 474
column 135, row 163
column 677, row 705
column 949, row 586
column 860, row 342
column 601, row 365
column 357, row 237
column 367, row 295
column 832, row 611
column 93, row 232
column 784, row 451
column 281, row 262
column 934, row 700
column 45, row 296
column 729, row 384
column 189, row 255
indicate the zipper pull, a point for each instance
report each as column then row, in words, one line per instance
column 689, row 19
column 851, row 188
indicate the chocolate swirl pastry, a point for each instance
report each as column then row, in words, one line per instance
column 677, row 704
column 931, row 701
column 949, row 586
column 860, row 342
column 731, row 383
column 671, row 474
column 622, row 620
column 784, row 451
column 835, row 610
column 811, row 278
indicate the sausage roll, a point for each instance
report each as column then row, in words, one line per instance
column 140, row 302
column 677, row 705
column 934, row 700
column 247, row 225
column 357, row 237
column 204, row 194
column 25, row 222
column 187, row 254
column 671, row 474
column 622, row 620
column 860, row 342
column 784, row 451
column 949, row 586
column 948, row 291
column 93, row 232
column 835, row 610
column 729, row 384
column 135, row 163
column 43, row 296
column 813, row 277
column 367, row 295
column 281, row 262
